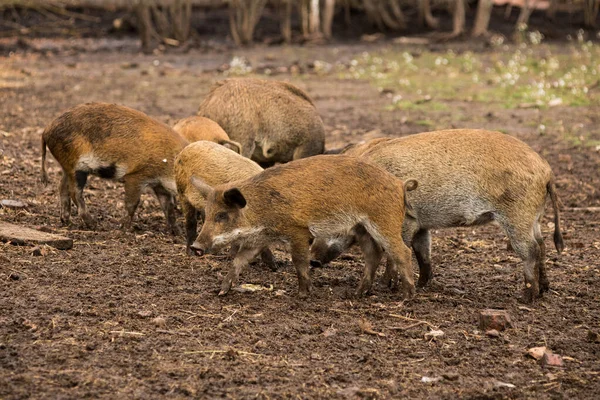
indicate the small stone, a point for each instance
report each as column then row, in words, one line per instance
column 493, row 333
column 537, row 352
column 593, row 337
column 552, row 360
column 14, row 276
column 38, row 251
column 12, row 204
column 494, row 319
column 450, row 376
column 315, row 356
column 160, row 322
column 145, row 313
column 429, row 379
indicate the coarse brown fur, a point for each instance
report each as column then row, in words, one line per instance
column 197, row 128
column 275, row 122
column 310, row 198
column 113, row 142
column 468, row 177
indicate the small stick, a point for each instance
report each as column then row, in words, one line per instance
column 413, row 319
column 171, row 332
column 404, row 328
column 128, row 333
column 230, row 317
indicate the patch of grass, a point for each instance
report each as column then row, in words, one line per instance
column 511, row 75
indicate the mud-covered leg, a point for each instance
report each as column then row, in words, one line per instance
column 65, row 200
column 400, row 256
column 301, row 260
column 421, row 245
column 241, row 260
column 76, row 185
column 373, row 253
column 191, row 225
column 167, row 203
column 541, row 261
column 133, row 191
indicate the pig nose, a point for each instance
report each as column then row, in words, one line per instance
column 197, row 249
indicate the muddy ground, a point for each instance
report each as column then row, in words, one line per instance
column 83, row 323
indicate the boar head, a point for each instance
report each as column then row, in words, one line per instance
column 224, row 221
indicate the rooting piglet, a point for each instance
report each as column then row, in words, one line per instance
column 274, row 121
column 112, row 142
column 214, row 165
column 197, row 128
column 316, row 197
column 466, row 177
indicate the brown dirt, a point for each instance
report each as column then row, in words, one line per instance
column 83, row 323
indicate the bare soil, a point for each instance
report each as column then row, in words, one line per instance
column 129, row 315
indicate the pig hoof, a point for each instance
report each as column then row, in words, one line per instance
column 544, row 287
column 422, row 282
column 528, row 295
column 303, row 294
column 225, row 287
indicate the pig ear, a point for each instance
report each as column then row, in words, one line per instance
column 234, row 198
column 202, row 186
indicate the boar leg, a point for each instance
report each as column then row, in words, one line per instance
column 65, row 200
column 373, row 253
column 528, row 249
column 133, row 191
column 76, row 184
column 301, row 261
column 421, row 245
column 191, row 225
column 241, row 260
column 400, row 256
column 167, row 203
column 268, row 259
column 541, row 261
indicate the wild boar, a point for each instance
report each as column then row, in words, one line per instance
column 214, row 165
column 274, row 121
column 467, row 177
column 197, row 128
column 311, row 198
column 113, row 142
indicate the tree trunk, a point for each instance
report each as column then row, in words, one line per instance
column 458, row 20
column 425, row 16
column 482, row 19
column 314, row 19
column 145, row 26
column 524, row 14
column 285, row 7
column 328, row 13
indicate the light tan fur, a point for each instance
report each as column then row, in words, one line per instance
column 468, row 177
column 197, row 128
column 113, row 142
column 275, row 122
column 311, row 198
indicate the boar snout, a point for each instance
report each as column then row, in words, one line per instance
column 197, row 249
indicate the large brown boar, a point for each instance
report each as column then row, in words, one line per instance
column 274, row 121
column 112, row 142
column 316, row 197
column 197, row 128
column 467, row 177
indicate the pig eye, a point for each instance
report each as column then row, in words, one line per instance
column 221, row 217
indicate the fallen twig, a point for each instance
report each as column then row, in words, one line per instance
column 404, row 328
column 128, row 333
column 172, row 332
column 413, row 319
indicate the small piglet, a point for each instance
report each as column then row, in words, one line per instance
column 113, row 142
column 274, row 121
column 197, row 128
column 316, row 197
column 466, row 177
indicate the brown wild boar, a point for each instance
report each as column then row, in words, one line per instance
column 311, row 198
column 112, row 142
column 274, row 121
column 466, row 177
column 214, row 165
column 197, row 128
